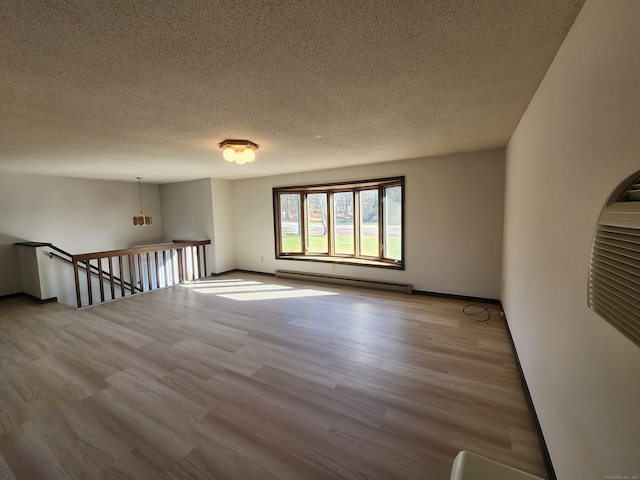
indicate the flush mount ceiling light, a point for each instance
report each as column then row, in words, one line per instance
column 142, row 219
column 239, row 151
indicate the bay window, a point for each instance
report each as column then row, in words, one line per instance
column 356, row 222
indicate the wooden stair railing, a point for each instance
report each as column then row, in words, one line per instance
column 174, row 263
column 67, row 258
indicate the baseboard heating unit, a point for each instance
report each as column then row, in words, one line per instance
column 345, row 281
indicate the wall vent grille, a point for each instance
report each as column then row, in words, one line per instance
column 614, row 282
column 614, row 273
column 632, row 194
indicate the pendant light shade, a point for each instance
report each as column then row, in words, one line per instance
column 141, row 219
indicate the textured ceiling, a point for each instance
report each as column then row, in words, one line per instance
column 122, row 88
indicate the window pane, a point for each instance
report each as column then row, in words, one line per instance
column 393, row 222
column 343, row 210
column 317, row 223
column 290, row 223
column 369, row 223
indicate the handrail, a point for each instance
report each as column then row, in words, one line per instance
column 140, row 260
column 135, row 250
column 53, row 247
column 94, row 269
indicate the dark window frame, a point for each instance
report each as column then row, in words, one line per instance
column 329, row 189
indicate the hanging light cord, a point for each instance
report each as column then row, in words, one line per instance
column 140, row 191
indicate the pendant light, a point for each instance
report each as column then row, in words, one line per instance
column 142, row 219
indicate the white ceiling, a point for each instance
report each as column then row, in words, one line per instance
column 126, row 88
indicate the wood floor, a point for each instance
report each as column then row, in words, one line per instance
column 254, row 377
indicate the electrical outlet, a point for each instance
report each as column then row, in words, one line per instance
column 262, row 259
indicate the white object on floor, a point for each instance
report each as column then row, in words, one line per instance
column 469, row 466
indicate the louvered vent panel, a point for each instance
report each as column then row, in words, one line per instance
column 632, row 194
column 614, row 278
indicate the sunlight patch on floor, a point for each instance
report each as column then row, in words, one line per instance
column 241, row 290
column 274, row 295
column 219, row 283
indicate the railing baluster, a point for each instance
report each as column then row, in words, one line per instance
column 195, row 258
column 87, row 264
column 164, row 268
column 185, row 264
column 121, row 275
column 111, row 283
column 149, row 274
column 155, row 257
column 194, row 264
column 77, row 278
column 173, row 265
column 132, row 275
column 140, row 272
column 100, row 280
column 204, row 260
column 180, row 265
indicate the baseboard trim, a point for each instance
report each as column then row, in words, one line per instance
column 240, row 270
column 457, row 297
column 551, row 474
column 11, row 295
column 30, row 297
column 452, row 296
column 342, row 281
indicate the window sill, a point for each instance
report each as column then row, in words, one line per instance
column 344, row 261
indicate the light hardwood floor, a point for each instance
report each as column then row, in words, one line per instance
column 246, row 376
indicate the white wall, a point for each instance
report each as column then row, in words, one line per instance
column 76, row 215
column 454, row 214
column 223, row 219
column 187, row 214
column 29, row 271
column 10, row 275
column 577, row 140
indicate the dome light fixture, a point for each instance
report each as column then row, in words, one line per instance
column 142, row 219
column 239, row 151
